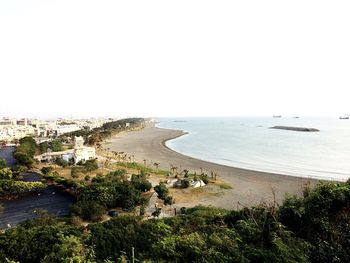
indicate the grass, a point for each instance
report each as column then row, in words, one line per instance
column 223, row 185
column 141, row 167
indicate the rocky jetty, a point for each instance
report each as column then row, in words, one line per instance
column 301, row 129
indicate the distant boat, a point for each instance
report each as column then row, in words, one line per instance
column 296, row 117
column 277, row 116
column 344, row 118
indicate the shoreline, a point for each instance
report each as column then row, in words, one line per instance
column 249, row 187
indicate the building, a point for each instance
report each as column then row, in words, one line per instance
column 82, row 153
column 79, row 153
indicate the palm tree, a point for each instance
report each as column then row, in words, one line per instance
column 186, row 173
column 156, row 165
column 173, row 169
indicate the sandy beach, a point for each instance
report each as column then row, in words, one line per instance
column 249, row 187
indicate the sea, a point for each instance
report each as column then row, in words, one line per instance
column 250, row 143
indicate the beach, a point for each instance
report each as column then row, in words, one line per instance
column 248, row 187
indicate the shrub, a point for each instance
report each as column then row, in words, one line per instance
column 88, row 210
column 161, row 190
column 185, row 183
column 61, row 162
column 75, row 172
column 90, row 165
column 205, row 179
column 46, row 170
column 3, row 163
column 6, row 174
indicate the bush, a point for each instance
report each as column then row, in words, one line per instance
column 24, row 159
column 18, row 187
column 61, row 162
column 168, row 200
column 18, row 169
column 88, row 210
column 185, row 183
column 205, row 179
column 3, row 163
column 140, row 182
column 75, row 172
column 90, row 165
column 6, row 174
column 47, row 170
column 161, row 190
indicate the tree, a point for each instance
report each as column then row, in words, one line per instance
column 90, row 165
column 17, row 169
column 88, row 210
column 61, row 162
column 24, row 159
column 168, row 200
column 6, row 174
column 69, row 249
column 161, row 190
column 157, row 212
column 47, row 170
column 3, row 163
column 56, row 145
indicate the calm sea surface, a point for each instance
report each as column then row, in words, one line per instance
column 249, row 143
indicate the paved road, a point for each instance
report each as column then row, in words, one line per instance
column 18, row 210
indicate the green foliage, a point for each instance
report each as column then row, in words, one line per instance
column 68, row 249
column 75, row 172
column 142, row 168
column 313, row 228
column 110, row 239
column 3, row 163
column 47, row 170
column 97, row 135
column 43, row 147
column 90, row 165
column 161, row 190
column 24, row 159
column 321, row 218
column 27, row 145
column 139, row 181
column 6, row 174
column 61, row 162
column 185, row 183
column 114, row 190
column 168, row 200
column 17, row 187
column 32, row 244
column 88, row 210
column 205, row 178
column 56, row 145
column 18, row 169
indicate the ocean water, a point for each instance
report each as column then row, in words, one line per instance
column 248, row 142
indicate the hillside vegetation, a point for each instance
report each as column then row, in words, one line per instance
column 312, row 228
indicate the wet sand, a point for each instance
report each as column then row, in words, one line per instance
column 249, row 187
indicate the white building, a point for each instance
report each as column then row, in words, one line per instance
column 79, row 153
column 82, row 153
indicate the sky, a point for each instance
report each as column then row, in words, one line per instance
column 174, row 58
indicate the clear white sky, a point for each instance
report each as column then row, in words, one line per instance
column 174, row 58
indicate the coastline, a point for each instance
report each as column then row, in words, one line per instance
column 249, row 187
